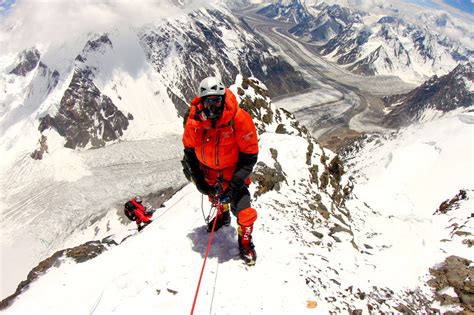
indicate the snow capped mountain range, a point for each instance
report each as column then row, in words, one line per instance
column 95, row 106
column 212, row 41
column 371, row 44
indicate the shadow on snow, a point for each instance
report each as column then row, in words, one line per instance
column 224, row 243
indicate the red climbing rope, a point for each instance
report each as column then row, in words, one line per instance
column 205, row 258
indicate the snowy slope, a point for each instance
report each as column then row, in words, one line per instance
column 420, row 162
column 136, row 276
column 367, row 247
column 51, row 202
column 180, row 225
column 404, row 178
column 90, row 90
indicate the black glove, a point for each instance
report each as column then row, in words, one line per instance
column 202, row 186
column 216, row 190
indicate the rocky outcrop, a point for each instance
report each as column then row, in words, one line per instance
column 26, row 62
column 79, row 254
column 43, row 148
column 455, row 273
column 326, row 173
column 267, row 178
column 86, row 117
column 451, row 204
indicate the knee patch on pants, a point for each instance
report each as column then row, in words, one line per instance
column 247, row 216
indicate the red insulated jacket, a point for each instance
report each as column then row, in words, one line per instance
column 218, row 147
column 140, row 212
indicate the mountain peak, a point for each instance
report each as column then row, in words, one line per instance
column 27, row 60
column 435, row 97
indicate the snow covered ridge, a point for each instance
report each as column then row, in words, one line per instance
column 436, row 97
column 371, row 44
column 288, row 151
column 321, row 169
column 79, row 254
column 331, row 233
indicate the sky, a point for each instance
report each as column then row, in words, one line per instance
column 59, row 19
column 463, row 5
column 6, row 6
column 452, row 6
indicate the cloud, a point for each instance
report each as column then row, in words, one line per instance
column 32, row 22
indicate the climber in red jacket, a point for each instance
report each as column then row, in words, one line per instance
column 220, row 151
column 135, row 211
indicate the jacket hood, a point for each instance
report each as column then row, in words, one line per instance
column 230, row 108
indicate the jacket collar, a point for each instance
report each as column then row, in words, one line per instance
column 230, row 108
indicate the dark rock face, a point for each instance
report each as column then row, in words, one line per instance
column 99, row 44
column 271, row 177
column 201, row 52
column 365, row 66
column 387, row 20
column 86, row 116
column 451, row 204
column 27, row 61
column 444, row 94
column 43, row 147
column 455, row 272
column 267, row 178
column 79, row 253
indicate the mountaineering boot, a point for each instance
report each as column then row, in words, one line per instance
column 246, row 246
column 223, row 219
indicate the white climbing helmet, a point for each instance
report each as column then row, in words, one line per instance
column 211, row 86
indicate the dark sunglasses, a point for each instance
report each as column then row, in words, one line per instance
column 212, row 100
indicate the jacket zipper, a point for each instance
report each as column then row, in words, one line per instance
column 203, row 144
column 217, row 147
